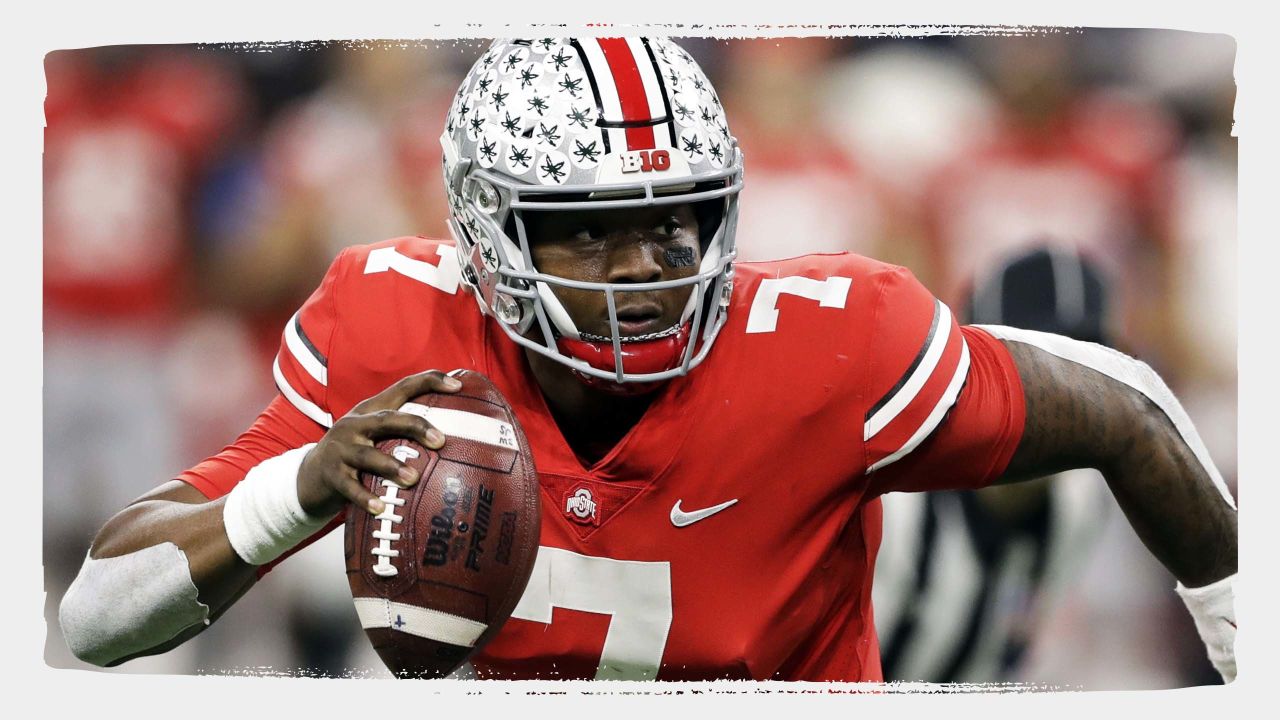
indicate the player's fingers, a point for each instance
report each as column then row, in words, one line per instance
column 392, row 424
column 405, row 389
column 371, row 460
column 345, row 483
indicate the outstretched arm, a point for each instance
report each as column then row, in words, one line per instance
column 1090, row 406
column 1077, row 416
column 961, row 407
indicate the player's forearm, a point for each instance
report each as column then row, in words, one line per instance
column 1172, row 503
column 1089, row 406
column 196, row 528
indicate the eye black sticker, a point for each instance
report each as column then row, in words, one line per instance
column 678, row 256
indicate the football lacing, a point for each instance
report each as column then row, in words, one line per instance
column 384, row 534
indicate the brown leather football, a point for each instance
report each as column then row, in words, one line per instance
column 436, row 575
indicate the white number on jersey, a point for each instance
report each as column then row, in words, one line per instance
column 636, row 594
column 763, row 318
column 442, row 277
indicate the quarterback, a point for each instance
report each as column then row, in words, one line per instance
column 711, row 437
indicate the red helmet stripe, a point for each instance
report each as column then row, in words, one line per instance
column 631, row 92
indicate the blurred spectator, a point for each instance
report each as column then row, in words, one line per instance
column 356, row 162
column 903, row 111
column 1070, row 161
column 803, row 194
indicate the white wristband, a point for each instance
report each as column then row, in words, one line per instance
column 263, row 516
column 1213, row 608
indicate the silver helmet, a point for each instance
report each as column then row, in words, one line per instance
column 571, row 124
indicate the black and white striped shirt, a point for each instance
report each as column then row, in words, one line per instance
column 959, row 593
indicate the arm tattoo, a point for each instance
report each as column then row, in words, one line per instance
column 1078, row 417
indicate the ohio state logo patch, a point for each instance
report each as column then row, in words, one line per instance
column 581, row 507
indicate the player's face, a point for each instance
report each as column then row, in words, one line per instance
column 634, row 245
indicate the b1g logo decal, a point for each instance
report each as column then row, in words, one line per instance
column 646, row 161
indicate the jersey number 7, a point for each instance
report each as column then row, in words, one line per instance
column 763, row 318
column 441, row 277
column 637, row 596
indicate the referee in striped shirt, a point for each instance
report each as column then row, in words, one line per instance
column 965, row 577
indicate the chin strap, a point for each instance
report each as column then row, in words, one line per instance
column 638, row 358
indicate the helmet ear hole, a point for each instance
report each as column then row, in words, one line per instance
column 710, row 213
column 509, row 227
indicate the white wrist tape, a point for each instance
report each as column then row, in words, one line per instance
column 121, row 606
column 1213, row 608
column 263, row 516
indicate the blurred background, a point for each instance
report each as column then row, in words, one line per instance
column 193, row 197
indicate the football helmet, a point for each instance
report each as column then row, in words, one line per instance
column 573, row 124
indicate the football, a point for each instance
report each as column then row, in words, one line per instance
column 436, row 574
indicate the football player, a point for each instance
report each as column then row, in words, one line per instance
column 711, row 438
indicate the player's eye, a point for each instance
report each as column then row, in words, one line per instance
column 585, row 233
column 669, row 226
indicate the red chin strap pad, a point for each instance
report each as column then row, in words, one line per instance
column 649, row 356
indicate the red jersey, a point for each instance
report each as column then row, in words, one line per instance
column 732, row 533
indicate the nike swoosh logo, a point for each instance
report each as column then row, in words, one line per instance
column 680, row 518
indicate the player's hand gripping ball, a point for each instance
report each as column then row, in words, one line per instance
column 436, row 574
